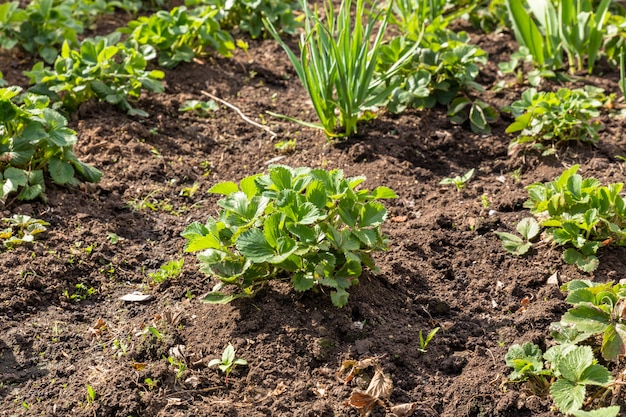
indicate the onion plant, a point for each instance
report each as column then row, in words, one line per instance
column 337, row 64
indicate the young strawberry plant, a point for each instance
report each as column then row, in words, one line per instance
column 39, row 28
column 98, row 69
column 248, row 15
column 180, row 34
column 545, row 119
column 35, row 139
column 578, row 213
column 310, row 225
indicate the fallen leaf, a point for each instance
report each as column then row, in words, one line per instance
column 381, row 385
column 363, row 402
column 354, row 367
column 553, row 279
column 403, row 410
column 139, row 366
column 136, row 297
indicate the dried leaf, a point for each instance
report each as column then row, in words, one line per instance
column 136, row 297
column 381, row 385
column 139, row 366
column 364, row 402
column 403, row 410
column 354, row 367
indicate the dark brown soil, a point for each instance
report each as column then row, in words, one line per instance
column 445, row 268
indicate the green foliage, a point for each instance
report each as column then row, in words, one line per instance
column 170, row 270
column 424, row 341
column 203, row 108
column 337, row 64
column 597, row 311
column 228, row 361
column 307, row 224
column 490, row 16
column 22, row 229
column 39, row 28
column 180, row 34
column 442, row 71
column 581, row 214
column 98, row 69
column 572, row 26
column 35, row 139
column 545, row 119
column 458, row 181
column 528, row 228
column 571, row 369
column 248, row 15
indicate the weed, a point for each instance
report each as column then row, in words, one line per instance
column 424, row 341
column 228, row 361
column 458, row 181
column 170, row 270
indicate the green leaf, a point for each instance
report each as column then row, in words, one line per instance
column 372, row 214
column 596, row 375
column 60, row 171
column 612, row 411
column 253, row 245
column 224, row 188
column 528, row 227
column 339, row 297
column 585, row 263
column 567, row 395
column 302, row 281
column 525, row 359
column 575, row 362
column 513, row 243
column 587, row 318
column 383, row 192
column 220, row 298
column 614, row 341
column 87, row 172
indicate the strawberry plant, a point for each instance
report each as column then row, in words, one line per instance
column 309, row 225
column 22, row 229
column 570, row 370
column 442, row 71
column 180, row 34
column 98, row 69
column 579, row 213
column 545, row 119
column 248, row 15
column 35, row 139
column 39, row 28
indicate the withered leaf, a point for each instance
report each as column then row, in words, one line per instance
column 403, row 410
column 364, row 402
column 381, row 385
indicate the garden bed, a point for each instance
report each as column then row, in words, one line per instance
column 445, row 266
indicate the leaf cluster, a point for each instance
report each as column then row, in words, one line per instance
column 35, row 139
column 100, row 68
column 21, row 229
column 337, row 64
column 248, row 15
column 180, row 34
column 578, row 213
column 458, row 181
column 311, row 225
column 172, row 269
column 568, row 371
column 545, row 119
column 442, row 71
column 228, row 361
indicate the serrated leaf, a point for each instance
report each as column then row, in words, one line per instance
column 224, row 188
column 585, row 263
column 587, row 318
column 528, row 227
column 612, row 411
column 281, row 178
column 339, row 297
column 87, row 172
column 513, row 243
column 248, row 186
column 574, row 363
column 372, row 214
column 383, row 192
column 567, row 395
column 60, row 171
column 302, row 281
column 614, row 341
column 253, row 245
column 596, row 375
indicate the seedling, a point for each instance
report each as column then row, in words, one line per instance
column 91, row 394
column 528, row 228
column 22, row 229
column 458, row 181
column 545, row 119
column 81, row 292
column 203, row 108
column 170, row 270
column 179, row 365
column 311, row 225
column 425, row 341
column 286, row 146
column 228, row 361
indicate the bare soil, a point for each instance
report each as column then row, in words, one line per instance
column 445, row 267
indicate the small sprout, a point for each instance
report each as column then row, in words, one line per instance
column 113, row 238
column 425, row 341
column 91, row 394
column 228, row 361
column 189, row 192
column 172, row 269
column 285, row 146
column 203, row 108
column 528, row 228
column 458, row 181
